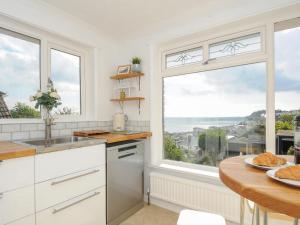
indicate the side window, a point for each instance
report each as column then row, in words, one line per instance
column 66, row 77
column 185, row 57
column 19, row 74
column 237, row 46
column 287, row 85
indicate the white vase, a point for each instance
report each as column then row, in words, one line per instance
column 136, row 68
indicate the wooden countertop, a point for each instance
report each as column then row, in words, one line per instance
column 10, row 150
column 113, row 137
column 256, row 186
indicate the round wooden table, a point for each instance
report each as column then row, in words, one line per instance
column 253, row 184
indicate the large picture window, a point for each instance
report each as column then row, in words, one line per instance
column 19, row 74
column 209, row 116
column 287, row 95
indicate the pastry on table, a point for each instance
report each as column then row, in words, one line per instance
column 269, row 159
column 290, row 172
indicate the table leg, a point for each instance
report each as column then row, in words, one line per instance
column 242, row 210
column 257, row 216
column 296, row 221
column 265, row 218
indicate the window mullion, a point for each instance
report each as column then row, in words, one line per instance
column 205, row 51
column 270, row 110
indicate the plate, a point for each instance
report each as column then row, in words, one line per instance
column 249, row 161
column 271, row 174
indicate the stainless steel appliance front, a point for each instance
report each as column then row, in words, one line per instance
column 125, row 179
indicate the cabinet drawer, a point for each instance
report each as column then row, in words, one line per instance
column 56, row 164
column 16, row 204
column 54, row 191
column 28, row 220
column 16, row 173
column 87, row 209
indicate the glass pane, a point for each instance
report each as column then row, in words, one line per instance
column 185, row 57
column 209, row 116
column 19, row 75
column 287, row 95
column 65, row 74
column 236, row 46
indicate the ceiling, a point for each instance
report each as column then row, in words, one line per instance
column 123, row 17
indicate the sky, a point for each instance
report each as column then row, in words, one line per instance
column 237, row 91
column 20, row 73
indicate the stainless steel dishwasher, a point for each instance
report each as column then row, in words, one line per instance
column 125, row 180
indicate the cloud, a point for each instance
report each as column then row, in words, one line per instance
column 19, row 69
column 235, row 91
column 287, row 60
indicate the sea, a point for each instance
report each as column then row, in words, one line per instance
column 186, row 124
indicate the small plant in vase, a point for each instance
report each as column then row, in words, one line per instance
column 136, row 64
column 48, row 100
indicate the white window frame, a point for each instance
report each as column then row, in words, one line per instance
column 82, row 55
column 177, row 50
column 264, row 23
column 48, row 40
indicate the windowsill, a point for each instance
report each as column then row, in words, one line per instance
column 199, row 173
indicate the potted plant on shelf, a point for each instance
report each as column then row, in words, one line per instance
column 136, row 64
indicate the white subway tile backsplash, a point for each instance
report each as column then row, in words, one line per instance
column 37, row 134
column 20, row 135
column 11, row 127
column 41, row 126
column 58, row 126
column 71, row 125
column 65, row 132
column 29, row 127
column 83, row 124
column 36, row 130
column 55, row 133
column 5, row 136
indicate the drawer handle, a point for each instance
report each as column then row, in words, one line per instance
column 77, row 176
column 74, row 203
column 1, row 195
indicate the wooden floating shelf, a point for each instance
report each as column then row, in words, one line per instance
column 127, row 75
column 127, row 99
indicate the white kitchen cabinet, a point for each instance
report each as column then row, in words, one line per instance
column 86, row 209
column 56, row 164
column 16, row 204
column 63, row 188
column 28, row 220
column 16, row 173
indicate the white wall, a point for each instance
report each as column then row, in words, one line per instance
column 126, row 51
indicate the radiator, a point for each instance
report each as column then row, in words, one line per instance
column 195, row 195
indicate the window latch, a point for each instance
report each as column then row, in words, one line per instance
column 207, row 61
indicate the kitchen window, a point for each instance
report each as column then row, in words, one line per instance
column 66, row 76
column 19, row 74
column 209, row 116
column 27, row 62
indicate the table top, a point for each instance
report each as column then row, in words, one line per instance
column 255, row 185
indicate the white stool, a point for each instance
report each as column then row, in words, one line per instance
column 192, row 217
